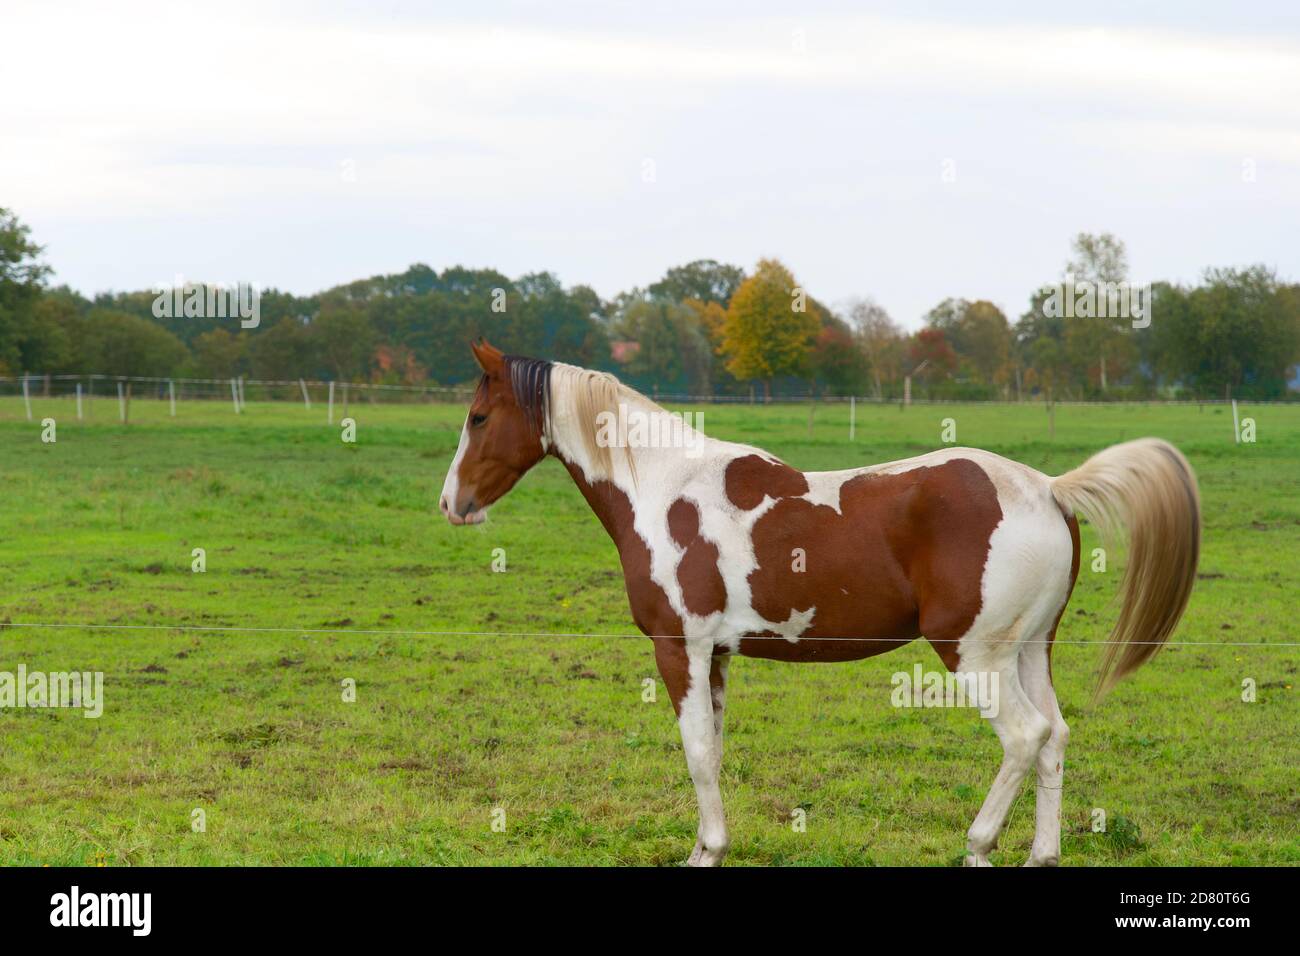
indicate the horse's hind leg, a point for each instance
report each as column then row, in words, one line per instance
column 1023, row 731
column 1036, row 678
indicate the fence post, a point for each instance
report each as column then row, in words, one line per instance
column 171, row 396
column 234, row 395
column 121, row 403
column 306, row 399
column 331, row 419
column 78, row 401
column 1236, row 429
column 27, row 399
column 853, row 418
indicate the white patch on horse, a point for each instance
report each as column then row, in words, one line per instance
column 451, row 484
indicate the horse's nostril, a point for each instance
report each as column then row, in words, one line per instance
column 442, row 504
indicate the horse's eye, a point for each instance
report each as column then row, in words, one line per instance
column 477, row 420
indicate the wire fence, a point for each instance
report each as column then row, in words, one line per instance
column 182, row 628
column 240, row 390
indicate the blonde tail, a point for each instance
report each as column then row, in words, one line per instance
column 1147, row 487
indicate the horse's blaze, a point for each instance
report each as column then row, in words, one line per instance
column 703, row 590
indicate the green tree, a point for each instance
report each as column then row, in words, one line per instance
column 673, row 346
column 118, row 343
column 22, row 275
column 282, row 352
column 705, row 280
column 1236, row 334
column 219, row 354
column 980, row 335
column 1099, row 342
column 343, row 338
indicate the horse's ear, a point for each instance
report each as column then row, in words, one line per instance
column 489, row 359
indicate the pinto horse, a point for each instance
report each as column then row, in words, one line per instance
column 974, row 552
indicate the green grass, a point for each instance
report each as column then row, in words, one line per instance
column 304, row 532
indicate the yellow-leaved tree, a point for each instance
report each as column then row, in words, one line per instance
column 769, row 328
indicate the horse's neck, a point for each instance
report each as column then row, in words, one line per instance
column 614, row 508
column 639, row 486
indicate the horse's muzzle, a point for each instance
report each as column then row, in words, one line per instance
column 469, row 516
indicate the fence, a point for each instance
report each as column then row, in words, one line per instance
column 337, row 397
column 238, row 391
column 124, row 389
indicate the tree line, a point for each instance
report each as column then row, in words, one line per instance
column 704, row 328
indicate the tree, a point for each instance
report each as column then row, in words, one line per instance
column 396, row 365
column 1237, row 333
column 881, row 340
column 673, row 346
column 22, row 275
column 930, row 347
column 55, row 334
column 342, row 337
column 282, row 352
column 1098, row 260
column 704, row 279
column 219, row 354
column 836, row 359
column 769, row 329
column 562, row 323
column 118, row 343
column 978, row 333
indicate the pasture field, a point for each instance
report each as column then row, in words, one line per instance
column 332, row 549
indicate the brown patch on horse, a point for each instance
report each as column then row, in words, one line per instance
column 752, row 477
column 651, row 611
column 703, row 590
column 904, row 557
column 683, row 522
column 674, row 668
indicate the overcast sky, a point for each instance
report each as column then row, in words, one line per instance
column 876, row 149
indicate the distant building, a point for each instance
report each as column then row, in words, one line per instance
column 624, row 352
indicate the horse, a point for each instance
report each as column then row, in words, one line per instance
column 726, row 550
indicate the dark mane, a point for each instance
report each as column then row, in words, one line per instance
column 530, row 379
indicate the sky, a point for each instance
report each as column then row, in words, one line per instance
column 901, row 151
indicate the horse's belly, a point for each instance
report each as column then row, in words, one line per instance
column 819, row 649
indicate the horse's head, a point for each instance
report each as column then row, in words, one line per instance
column 502, row 437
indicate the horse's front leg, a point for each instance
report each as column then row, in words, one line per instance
column 718, row 693
column 695, row 683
